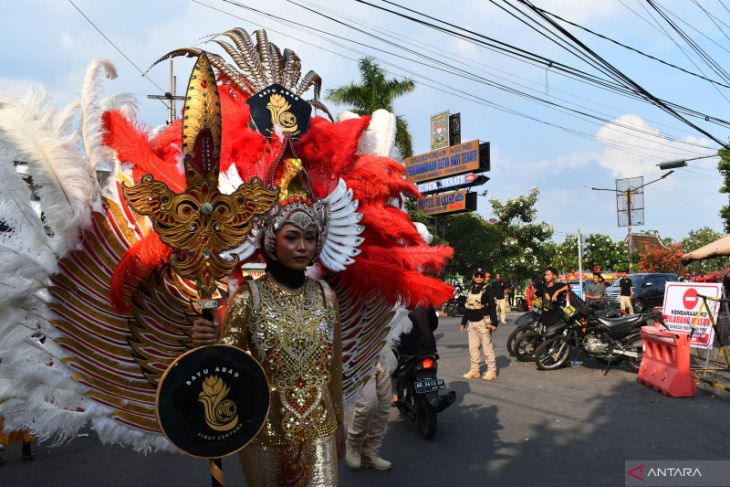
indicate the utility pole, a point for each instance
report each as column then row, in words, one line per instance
column 628, row 207
column 170, row 97
column 629, row 192
column 580, row 260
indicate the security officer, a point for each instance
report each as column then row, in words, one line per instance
column 480, row 321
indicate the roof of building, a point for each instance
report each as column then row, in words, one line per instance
column 645, row 241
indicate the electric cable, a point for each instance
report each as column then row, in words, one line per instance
column 118, row 49
column 521, row 54
column 441, row 87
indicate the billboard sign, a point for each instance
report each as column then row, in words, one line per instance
column 447, row 203
column 449, row 161
column 451, row 183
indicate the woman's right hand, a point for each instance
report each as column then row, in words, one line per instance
column 204, row 332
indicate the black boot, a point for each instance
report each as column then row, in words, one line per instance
column 27, row 453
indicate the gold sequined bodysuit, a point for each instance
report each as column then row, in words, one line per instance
column 295, row 335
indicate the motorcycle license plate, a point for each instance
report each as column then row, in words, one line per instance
column 431, row 385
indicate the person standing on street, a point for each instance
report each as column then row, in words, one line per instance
column 530, row 293
column 480, row 321
column 596, row 288
column 499, row 287
column 627, row 290
column 370, row 418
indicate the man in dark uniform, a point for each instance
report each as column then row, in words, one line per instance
column 627, row 289
column 550, row 292
column 499, row 288
column 480, row 321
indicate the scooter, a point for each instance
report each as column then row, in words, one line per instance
column 418, row 389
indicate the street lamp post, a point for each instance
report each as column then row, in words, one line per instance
column 629, row 194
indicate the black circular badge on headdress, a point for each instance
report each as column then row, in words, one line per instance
column 212, row 401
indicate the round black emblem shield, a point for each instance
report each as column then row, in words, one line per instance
column 212, row 401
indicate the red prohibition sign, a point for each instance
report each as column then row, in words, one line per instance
column 690, row 298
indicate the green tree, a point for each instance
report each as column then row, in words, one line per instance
column 699, row 238
column 605, row 252
column 374, row 92
column 476, row 243
column 724, row 168
column 519, row 256
column 565, row 258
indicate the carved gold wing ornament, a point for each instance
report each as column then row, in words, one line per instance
column 201, row 223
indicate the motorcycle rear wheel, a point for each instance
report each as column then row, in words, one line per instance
column 526, row 346
column 426, row 419
column 553, row 353
column 513, row 337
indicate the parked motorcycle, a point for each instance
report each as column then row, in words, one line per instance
column 418, row 389
column 609, row 340
column 530, row 332
column 455, row 306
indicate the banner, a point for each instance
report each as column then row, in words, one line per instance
column 440, row 130
column 681, row 305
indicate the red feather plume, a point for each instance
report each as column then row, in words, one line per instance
column 137, row 264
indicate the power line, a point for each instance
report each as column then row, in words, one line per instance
column 637, row 51
column 469, row 74
column 510, row 77
column 617, row 85
column 119, row 50
column 620, row 75
column 436, row 85
column 713, row 19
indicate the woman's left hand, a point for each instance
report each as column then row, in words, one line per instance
column 340, row 442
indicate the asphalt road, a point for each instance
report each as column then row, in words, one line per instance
column 571, row 427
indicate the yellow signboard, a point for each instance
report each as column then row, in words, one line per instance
column 451, row 202
column 440, row 163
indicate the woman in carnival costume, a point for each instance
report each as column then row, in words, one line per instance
column 118, row 314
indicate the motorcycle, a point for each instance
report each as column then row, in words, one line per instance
column 455, row 306
column 609, row 340
column 525, row 324
column 531, row 332
column 418, row 387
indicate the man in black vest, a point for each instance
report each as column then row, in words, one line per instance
column 480, row 321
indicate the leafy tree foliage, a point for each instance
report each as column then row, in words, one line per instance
column 724, row 167
column 476, row 243
column 605, row 252
column 520, row 255
column 699, row 238
column 374, row 92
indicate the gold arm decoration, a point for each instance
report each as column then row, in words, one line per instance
column 202, row 222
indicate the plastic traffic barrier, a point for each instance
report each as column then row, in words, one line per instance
column 665, row 363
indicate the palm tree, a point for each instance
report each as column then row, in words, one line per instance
column 376, row 92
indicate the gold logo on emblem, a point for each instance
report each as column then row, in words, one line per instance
column 220, row 413
column 280, row 114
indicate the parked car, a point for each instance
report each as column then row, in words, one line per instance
column 648, row 289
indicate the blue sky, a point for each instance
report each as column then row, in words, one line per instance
column 48, row 43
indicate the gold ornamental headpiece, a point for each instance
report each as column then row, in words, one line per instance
column 201, row 223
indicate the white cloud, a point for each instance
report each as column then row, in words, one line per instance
column 643, row 149
column 67, row 41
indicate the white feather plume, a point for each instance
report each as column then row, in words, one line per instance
column 66, row 185
column 379, row 138
column 91, row 126
column 124, row 102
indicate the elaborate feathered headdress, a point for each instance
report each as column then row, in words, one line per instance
column 119, row 314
